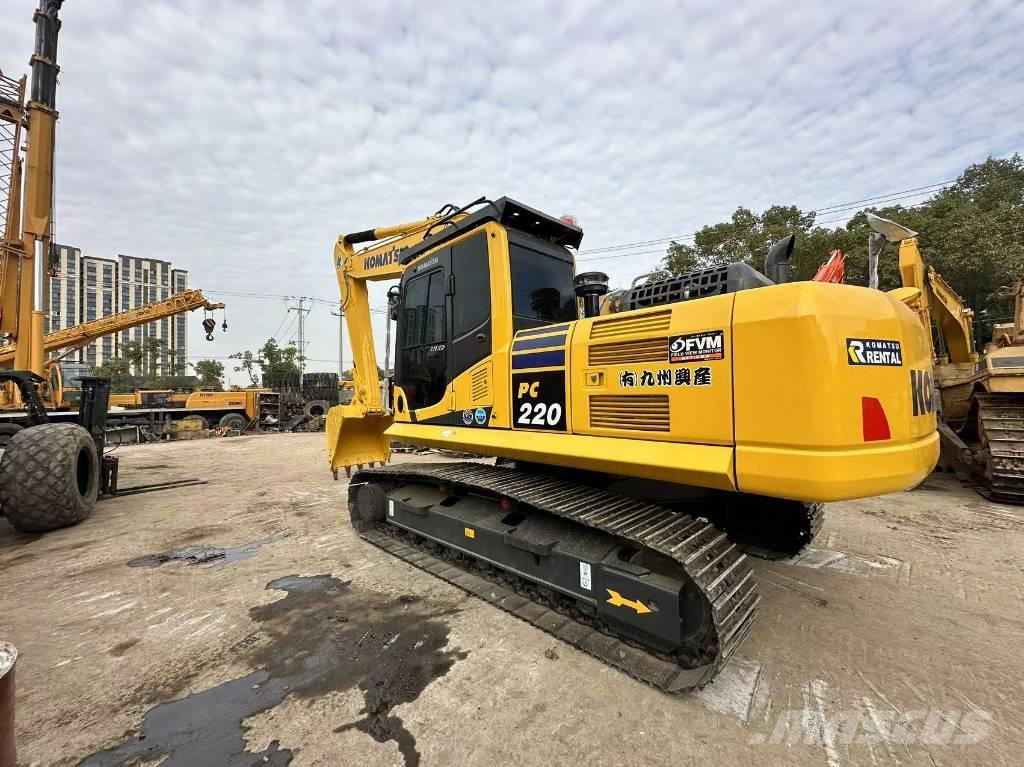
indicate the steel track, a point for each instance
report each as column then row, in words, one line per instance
column 715, row 565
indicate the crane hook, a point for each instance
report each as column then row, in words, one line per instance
column 208, row 325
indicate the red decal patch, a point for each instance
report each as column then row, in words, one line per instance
column 876, row 425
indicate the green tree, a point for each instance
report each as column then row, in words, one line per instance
column 745, row 237
column 140, row 360
column 971, row 232
column 133, row 353
column 119, row 371
column 153, row 349
column 270, row 359
column 210, row 372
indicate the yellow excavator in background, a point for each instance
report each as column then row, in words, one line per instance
column 981, row 396
column 641, row 453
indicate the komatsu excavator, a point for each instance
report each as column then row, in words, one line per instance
column 640, row 455
column 981, row 396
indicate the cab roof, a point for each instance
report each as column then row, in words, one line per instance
column 509, row 213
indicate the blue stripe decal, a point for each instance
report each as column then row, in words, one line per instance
column 525, row 344
column 544, row 329
column 539, row 360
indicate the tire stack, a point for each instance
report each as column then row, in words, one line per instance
column 320, row 387
column 289, row 386
column 320, row 394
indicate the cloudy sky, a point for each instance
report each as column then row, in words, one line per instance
column 238, row 138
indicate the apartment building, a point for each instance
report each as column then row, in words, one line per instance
column 84, row 288
column 65, row 288
column 97, row 300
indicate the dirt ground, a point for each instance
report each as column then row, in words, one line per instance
column 895, row 639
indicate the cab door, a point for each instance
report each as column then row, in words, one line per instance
column 421, row 368
column 470, row 298
column 444, row 325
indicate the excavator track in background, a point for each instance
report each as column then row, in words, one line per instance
column 987, row 453
column 1001, row 449
column 402, row 508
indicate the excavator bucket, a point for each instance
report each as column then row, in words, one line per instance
column 356, row 438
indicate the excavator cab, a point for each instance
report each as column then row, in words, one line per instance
column 446, row 309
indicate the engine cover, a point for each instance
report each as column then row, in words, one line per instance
column 700, row 284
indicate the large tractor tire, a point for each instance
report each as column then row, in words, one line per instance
column 49, row 477
column 233, row 421
column 317, row 408
column 7, row 432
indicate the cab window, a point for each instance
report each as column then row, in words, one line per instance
column 541, row 288
column 422, row 361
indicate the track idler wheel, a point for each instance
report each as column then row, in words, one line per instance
column 371, row 506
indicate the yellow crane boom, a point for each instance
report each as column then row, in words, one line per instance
column 80, row 335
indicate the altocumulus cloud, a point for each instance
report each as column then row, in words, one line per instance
column 239, row 138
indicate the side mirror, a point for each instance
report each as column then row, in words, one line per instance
column 777, row 260
column 394, row 298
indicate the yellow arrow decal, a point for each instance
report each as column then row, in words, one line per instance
column 617, row 600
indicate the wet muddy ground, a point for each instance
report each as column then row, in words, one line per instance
column 323, row 636
column 241, row 622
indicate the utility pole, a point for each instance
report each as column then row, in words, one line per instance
column 385, row 389
column 302, row 310
column 340, row 314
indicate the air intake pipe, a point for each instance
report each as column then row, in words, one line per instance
column 777, row 261
column 590, row 286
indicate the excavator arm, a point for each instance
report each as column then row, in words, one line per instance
column 355, row 432
column 81, row 335
column 936, row 297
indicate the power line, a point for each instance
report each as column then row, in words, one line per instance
column 281, row 325
column 288, row 327
column 693, row 235
column 205, row 356
column 277, row 296
column 917, row 191
column 932, row 187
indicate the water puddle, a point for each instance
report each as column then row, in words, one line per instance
column 199, row 555
column 323, row 636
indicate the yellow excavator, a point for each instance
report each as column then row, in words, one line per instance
column 981, row 396
column 639, row 455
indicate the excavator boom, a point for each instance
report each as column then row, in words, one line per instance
column 355, row 431
column 939, row 302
